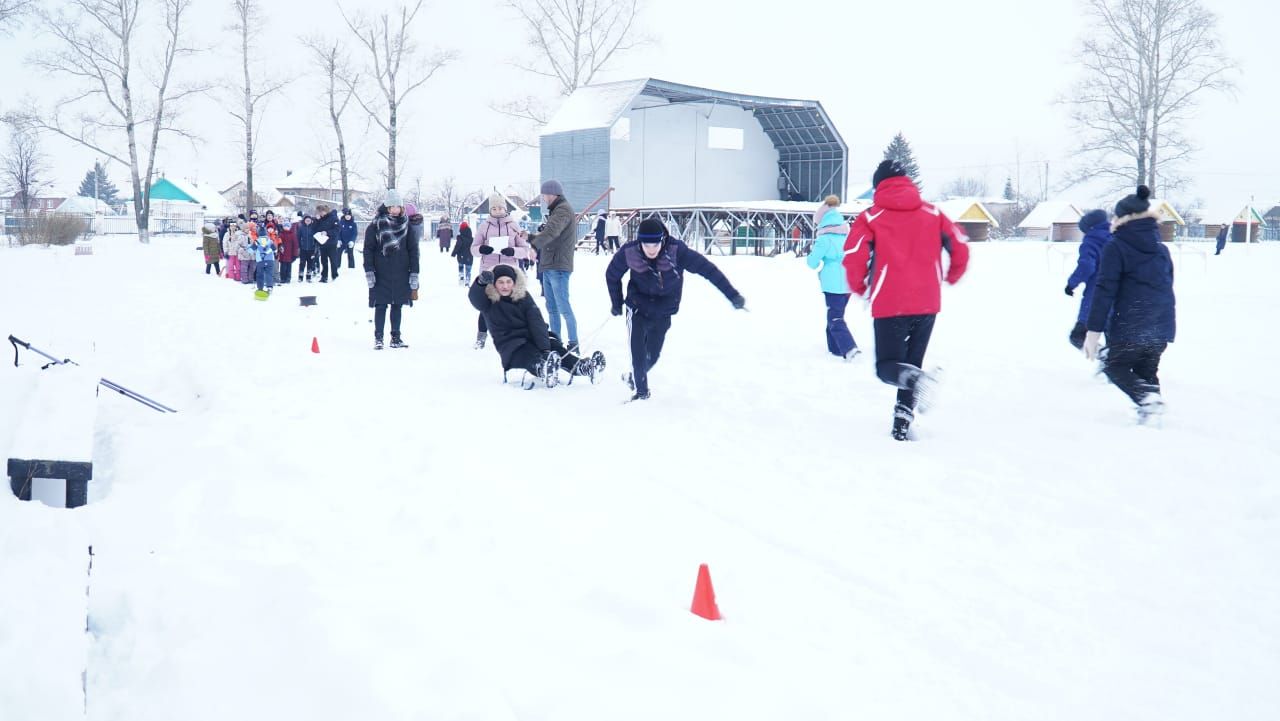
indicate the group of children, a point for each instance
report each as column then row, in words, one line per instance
column 262, row 250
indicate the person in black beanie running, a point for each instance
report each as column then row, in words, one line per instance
column 657, row 263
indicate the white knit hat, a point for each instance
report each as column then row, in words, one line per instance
column 393, row 198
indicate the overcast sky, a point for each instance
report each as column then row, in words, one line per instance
column 970, row 84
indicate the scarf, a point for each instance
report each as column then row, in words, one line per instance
column 391, row 231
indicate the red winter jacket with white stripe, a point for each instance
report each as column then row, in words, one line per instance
column 895, row 248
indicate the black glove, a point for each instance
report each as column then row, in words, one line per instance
column 485, row 277
column 616, row 310
column 739, row 302
column 509, row 252
column 486, row 249
column 1069, row 290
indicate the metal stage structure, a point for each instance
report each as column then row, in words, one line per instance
column 763, row 228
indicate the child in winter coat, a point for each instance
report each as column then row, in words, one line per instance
column 1097, row 234
column 520, row 334
column 212, row 249
column 657, row 263
column 1134, row 303
column 828, row 252
column 462, row 251
column 348, row 232
column 498, row 225
column 288, row 249
column 265, row 258
column 246, row 255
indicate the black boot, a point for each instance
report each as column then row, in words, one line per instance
column 902, row 417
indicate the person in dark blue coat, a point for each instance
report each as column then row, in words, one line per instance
column 306, row 249
column 1222, row 238
column 657, row 263
column 1097, row 233
column 1134, row 302
column 348, row 232
column 327, row 222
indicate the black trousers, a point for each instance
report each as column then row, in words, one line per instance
column 351, row 254
column 481, row 325
column 900, row 346
column 528, row 357
column 215, row 266
column 286, row 272
column 647, row 336
column 330, row 259
column 380, row 320
column 1134, row 368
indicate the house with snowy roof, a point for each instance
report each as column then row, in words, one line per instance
column 647, row 142
column 1052, row 220
column 972, row 215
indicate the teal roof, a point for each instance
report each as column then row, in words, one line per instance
column 162, row 189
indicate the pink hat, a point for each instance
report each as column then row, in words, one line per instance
column 410, row 209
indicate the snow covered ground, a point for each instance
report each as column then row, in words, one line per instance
column 397, row 535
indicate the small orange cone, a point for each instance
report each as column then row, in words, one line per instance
column 315, row 345
column 704, row 596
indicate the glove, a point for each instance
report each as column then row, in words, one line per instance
column 616, row 310
column 739, row 302
column 509, row 252
column 486, row 249
column 413, row 294
column 368, row 276
column 1070, row 290
column 1091, row 342
column 413, row 281
column 485, row 277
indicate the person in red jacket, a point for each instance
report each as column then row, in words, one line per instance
column 288, row 250
column 895, row 249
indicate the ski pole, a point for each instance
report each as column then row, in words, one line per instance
column 104, row 382
column 19, row 342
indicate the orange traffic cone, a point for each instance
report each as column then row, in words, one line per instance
column 704, row 596
column 315, row 345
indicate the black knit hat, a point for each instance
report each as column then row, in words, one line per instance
column 885, row 170
column 504, row 271
column 651, row 231
column 1134, row 204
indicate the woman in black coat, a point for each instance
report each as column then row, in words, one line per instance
column 391, row 266
column 520, row 333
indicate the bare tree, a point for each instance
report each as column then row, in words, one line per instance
column 966, row 187
column 97, row 43
column 328, row 56
column 249, row 92
column 22, row 171
column 447, row 195
column 11, row 10
column 394, row 66
column 1146, row 62
column 572, row 40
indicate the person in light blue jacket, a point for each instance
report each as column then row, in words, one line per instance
column 830, row 230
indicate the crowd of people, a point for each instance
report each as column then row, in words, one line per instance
column 1126, row 272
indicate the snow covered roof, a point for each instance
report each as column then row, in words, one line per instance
column 1168, row 211
column 594, row 106
column 206, row 195
column 1051, row 212
column 968, row 210
column 760, row 206
column 81, row 205
column 1226, row 213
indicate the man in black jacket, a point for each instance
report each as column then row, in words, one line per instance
column 657, row 263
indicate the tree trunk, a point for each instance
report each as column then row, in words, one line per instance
column 248, row 118
column 141, row 208
column 391, row 147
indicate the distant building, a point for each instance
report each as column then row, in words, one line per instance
column 38, row 204
column 1052, row 220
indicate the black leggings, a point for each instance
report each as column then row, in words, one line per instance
column 528, row 357
column 647, row 337
column 380, row 320
column 481, row 325
column 900, row 346
column 216, row 268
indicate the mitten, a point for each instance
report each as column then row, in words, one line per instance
column 738, row 302
column 413, row 281
column 616, row 310
column 1070, row 291
column 368, row 276
column 485, row 277
column 486, row 249
column 509, row 252
column 413, row 294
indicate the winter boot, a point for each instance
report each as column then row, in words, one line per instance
column 480, row 340
column 640, row 396
column 377, row 343
column 854, row 352
column 902, row 417
column 549, row 369
column 925, row 389
column 573, row 348
column 1150, row 410
column 630, row 380
column 398, row 342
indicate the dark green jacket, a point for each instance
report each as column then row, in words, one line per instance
column 556, row 242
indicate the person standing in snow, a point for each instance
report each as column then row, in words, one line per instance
column 498, row 225
column 246, row 253
column 390, row 266
column 462, row 251
column 657, row 263
column 306, row 249
column 1222, row 238
column 444, row 233
column 265, row 255
column 1134, row 303
column 288, row 249
column 555, row 244
column 520, row 335
column 327, row 245
column 828, row 253
column 895, row 249
column 1097, row 233
column 612, row 233
column 602, row 222
column 212, row 250
column 348, row 231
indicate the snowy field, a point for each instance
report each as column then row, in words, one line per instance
column 397, row 535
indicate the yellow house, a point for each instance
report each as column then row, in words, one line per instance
column 972, row 215
column 1170, row 219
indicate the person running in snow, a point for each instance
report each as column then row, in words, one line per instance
column 1134, row 303
column 390, row 266
column 462, row 251
column 212, row 250
column 828, row 252
column 895, row 248
column 348, row 232
column 520, row 335
column 444, row 233
column 1097, row 234
column 498, row 225
column 657, row 263
column 555, row 244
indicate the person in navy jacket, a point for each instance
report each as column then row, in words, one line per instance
column 657, row 263
column 1134, row 303
column 1097, row 233
column 348, row 232
column 327, row 222
column 894, row 250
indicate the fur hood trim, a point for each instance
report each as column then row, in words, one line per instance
column 1154, row 214
column 518, row 294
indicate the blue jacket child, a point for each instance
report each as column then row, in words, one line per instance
column 1097, row 234
column 828, row 251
